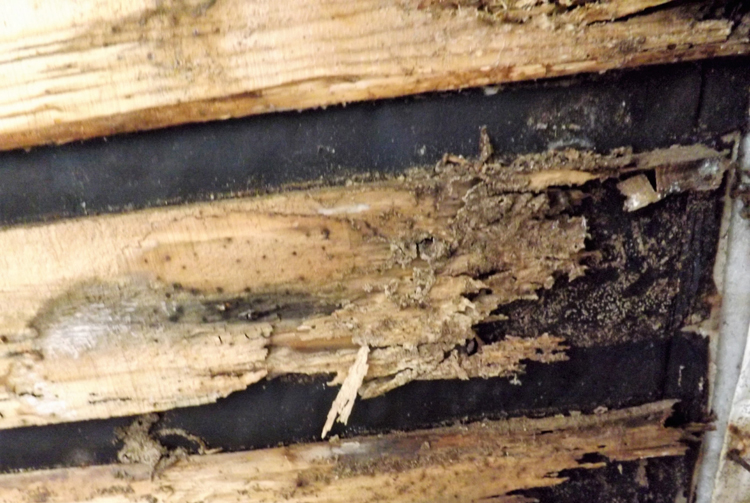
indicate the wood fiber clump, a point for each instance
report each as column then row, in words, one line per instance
column 181, row 306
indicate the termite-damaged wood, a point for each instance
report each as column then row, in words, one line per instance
column 548, row 13
column 479, row 462
column 128, row 314
column 102, row 67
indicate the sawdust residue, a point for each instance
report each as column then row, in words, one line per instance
column 571, row 15
column 505, row 230
column 494, row 241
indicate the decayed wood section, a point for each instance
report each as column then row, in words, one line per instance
column 479, row 462
column 127, row 314
column 80, row 69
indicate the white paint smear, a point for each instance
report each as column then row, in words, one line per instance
column 339, row 210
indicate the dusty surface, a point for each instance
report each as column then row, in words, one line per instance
column 185, row 61
column 475, row 462
column 651, row 277
column 662, row 480
column 207, row 299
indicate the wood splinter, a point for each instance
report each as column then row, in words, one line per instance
column 207, row 299
column 475, row 462
column 344, row 403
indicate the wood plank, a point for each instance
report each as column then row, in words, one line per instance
column 81, row 69
column 479, row 462
column 128, row 314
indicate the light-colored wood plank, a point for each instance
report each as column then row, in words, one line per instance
column 470, row 463
column 128, row 314
column 77, row 69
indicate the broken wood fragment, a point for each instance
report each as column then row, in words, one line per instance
column 147, row 311
column 344, row 402
column 466, row 463
column 102, row 67
column 638, row 191
column 688, row 169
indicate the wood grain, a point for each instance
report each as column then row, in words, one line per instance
column 127, row 314
column 479, row 462
column 77, row 69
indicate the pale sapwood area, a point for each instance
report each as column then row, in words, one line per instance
column 127, row 314
column 478, row 462
column 76, row 69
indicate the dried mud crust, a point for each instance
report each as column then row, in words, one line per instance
column 142, row 444
column 649, row 274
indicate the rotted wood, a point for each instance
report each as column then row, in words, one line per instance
column 81, row 69
column 377, row 283
column 487, row 461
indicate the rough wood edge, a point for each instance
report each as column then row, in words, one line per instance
column 197, row 62
column 207, row 299
column 466, row 463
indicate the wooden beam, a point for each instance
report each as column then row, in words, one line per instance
column 479, row 462
column 90, row 68
column 127, row 314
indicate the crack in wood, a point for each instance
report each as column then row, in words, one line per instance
column 198, row 61
column 475, row 462
column 158, row 297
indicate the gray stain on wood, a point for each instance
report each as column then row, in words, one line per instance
column 421, row 262
column 94, row 315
